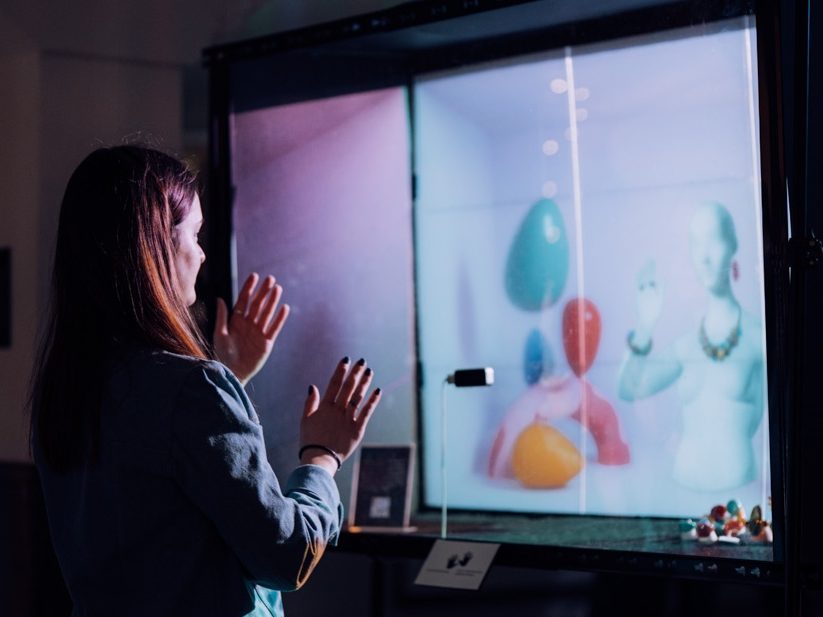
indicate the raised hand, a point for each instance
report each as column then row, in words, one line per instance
column 338, row 420
column 244, row 340
column 649, row 300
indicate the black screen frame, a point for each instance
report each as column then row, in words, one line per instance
column 352, row 64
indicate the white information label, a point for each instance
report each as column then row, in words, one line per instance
column 458, row 565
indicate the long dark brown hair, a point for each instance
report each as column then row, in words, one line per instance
column 114, row 283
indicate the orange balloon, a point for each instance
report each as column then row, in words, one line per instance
column 544, row 458
column 581, row 334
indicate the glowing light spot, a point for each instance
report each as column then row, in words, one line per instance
column 550, row 147
column 581, row 94
column 559, row 86
column 549, row 189
column 550, row 230
column 581, row 113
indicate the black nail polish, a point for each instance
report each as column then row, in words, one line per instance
column 368, row 372
column 360, row 362
column 378, row 391
column 309, row 389
column 345, row 360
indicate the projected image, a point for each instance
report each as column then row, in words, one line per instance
column 588, row 224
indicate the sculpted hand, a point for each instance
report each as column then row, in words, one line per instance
column 244, row 340
column 649, row 301
column 337, row 421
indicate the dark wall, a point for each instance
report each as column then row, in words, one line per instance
column 30, row 581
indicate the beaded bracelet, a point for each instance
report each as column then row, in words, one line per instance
column 328, row 451
column 638, row 351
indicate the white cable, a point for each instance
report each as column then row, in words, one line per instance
column 443, row 487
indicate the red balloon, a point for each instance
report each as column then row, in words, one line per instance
column 581, row 334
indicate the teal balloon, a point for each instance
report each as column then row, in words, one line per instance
column 538, row 261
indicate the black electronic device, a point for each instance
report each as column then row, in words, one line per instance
column 470, row 377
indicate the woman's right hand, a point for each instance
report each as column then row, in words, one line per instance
column 338, row 420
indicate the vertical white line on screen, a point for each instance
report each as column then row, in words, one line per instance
column 758, row 209
column 578, row 232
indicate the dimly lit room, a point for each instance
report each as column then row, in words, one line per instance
column 385, row 309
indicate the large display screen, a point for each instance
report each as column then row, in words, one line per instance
column 588, row 224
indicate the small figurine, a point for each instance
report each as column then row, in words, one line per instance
column 755, row 520
column 736, row 510
column 728, row 524
column 765, row 534
column 688, row 529
column 759, row 530
column 734, row 527
column 719, row 513
column 718, row 516
column 705, row 531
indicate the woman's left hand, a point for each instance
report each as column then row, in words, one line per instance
column 244, row 340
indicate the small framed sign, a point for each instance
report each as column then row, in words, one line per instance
column 382, row 488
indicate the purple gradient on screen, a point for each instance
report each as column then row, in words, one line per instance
column 323, row 202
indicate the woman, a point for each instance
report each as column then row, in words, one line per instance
column 152, row 460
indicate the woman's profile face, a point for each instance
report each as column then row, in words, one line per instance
column 188, row 256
